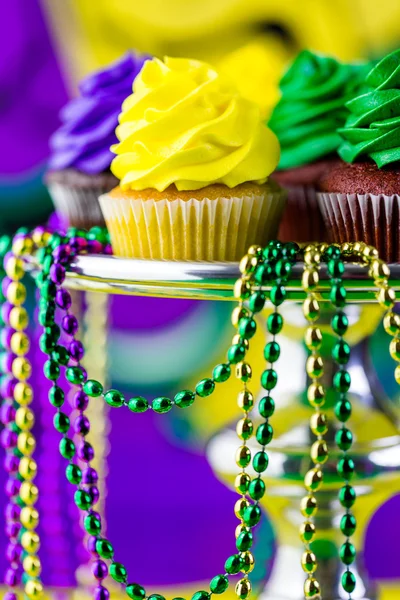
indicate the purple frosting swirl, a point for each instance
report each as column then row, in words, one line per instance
column 88, row 122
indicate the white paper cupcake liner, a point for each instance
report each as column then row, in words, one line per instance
column 302, row 220
column 207, row 229
column 78, row 207
column 369, row 218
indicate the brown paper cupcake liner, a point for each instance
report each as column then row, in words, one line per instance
column 78, row 207
column 302, row 220
column 219, row 229
column 373, row 219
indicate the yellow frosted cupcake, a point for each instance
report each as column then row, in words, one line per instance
column 193, row 160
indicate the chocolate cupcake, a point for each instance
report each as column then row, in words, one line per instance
column 79, row 166
column 312, row 107
column 360, row 201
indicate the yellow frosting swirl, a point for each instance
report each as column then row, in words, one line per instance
column 186, row 125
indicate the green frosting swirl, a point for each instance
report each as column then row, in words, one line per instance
column 312, row 107
column 373, row 127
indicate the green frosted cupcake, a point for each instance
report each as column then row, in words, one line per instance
column 314, row 91
column 360, row 197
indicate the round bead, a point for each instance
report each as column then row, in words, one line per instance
column 248, row 562
column 274, row 323
column 243, row 457
column 61, row 355
column 135, row 591
column 205, row 387
column 272, row 352
column 344, row 439
column 240, row 507
column 269, row 379
column 56, row 396
column 23, row 393
column 26, row 443
column 277, row 295
column 379, row 270
column 21, row 368
column 162, row 405
column 233, row 564
column 257, row 489
column 61, row 422
column 221, row 373
column 348, row 525
column 347, row 496
column 266, row 407
column 82, row 500
column 340, row 323
column 22, row 244
column 243, row 589
column 138, row 404
column 75, row 375
column 341, row 352
column 243, row 371
column 245, row 541
column 219, row 584
column 347, row 553
column 27, row 468
column 348, row 582
column 313, row 337
column 184, row 399
column 316, row 394
column 156, row 597
column 247, row 327
column 245, row 400
column 25, row 418
column 101, row 593
column 342, row 381
column 242, row 289
column 29, row 493
column 346, row 468
column 114, row 398
column 18, row 318
column 32, row 565
column 312, row 589
column 29, row 517
column 319, row 423
column 244, row 428
column 19, row 343
column 236, row 353
column 308, row 506
column 313, row 479
column 118, row 572
column 30, row 541
column 264, row 434
column 63, row 299
column 394, row 348
column 343, row 410
column 252, row 515
column 104, row 549
column 309, row 562
column 257, row 302
column 67, row 448
column 319, row 452
column 70, row 324
column 260, row 462
column 307, row 532
column 73, row 474
column 315, row 366
column 310, row 279
column 51, row 370
column 242, row 483
column 99, row 570
column 386, row 297
column 391, row 323
column 311, row 309
column 338, row 295
column 33, row 589
column 248, row 264
column 14, row 267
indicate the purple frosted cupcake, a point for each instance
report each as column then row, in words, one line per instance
column 79, row 167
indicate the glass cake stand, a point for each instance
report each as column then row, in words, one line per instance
column 375, row 421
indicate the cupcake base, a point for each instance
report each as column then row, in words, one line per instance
column 215, row 223
column 76, row 196
column 369, row 218
column 302, row 220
